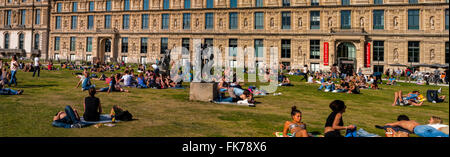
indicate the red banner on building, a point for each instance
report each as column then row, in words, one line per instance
column 368, row 55
column 325, row 53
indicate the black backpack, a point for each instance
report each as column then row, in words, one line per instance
column 124, row 116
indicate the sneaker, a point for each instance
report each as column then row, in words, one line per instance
column 335, row 91
column 434, row 102
column 327, row 90
column 439, row 90
column 78, row 125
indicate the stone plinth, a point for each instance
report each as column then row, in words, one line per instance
column 203, row 91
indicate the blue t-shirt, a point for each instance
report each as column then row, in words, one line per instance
column 238, row 91
column 141, row 81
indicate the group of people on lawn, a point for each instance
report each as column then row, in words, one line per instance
column 334, row 124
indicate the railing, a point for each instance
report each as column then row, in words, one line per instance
column 350, row 30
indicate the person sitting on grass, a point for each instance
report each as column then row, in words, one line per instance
column 68, row 118
column 127, row 79
column 405, row 100
column 391, row 81
column 354, row 89
column 92, row 107
column 420, row 130
column 8, row 91
column 329, row 86
column 295, row 127
column 436, row 122
column 113, row 86
column 85, row 82
column 141, row 81
column 334, row 121
column 285, row 81
column 342, row 88
column 432, row 96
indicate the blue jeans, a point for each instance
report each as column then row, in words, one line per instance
column 428, row 131
column 13, row 78
column 7, row 91
column 104, row 89
column 341, row 90
column 334, row 75
column 71, row 116
column 87, row 87
column 330, row 87
column 143, row 86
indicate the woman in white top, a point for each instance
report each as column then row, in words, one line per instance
column 14, row 66
column 436, row 122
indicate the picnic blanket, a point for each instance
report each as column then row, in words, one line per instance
column 235, row 103
column 104, row 118
column 280, row 134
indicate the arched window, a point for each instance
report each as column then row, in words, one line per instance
column 21, row 40
column 36, row 41
column 6, row 41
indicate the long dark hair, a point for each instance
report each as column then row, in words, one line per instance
column 337, row 106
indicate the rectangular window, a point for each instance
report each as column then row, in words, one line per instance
column 91, row 6
column 74, row 22
column 315, row 20
column 315, row 67
column 209, row 21
column 144, row 21
column 108, row 5
column 285, row 48
column 57, row 39
column 143, row 45
column 379, row 2
column 145, row 4
column 259, row 3
column 314, row 47
column 107, row 21
column 413, row 1
column 58, row 7
column 166, row 4
column 378, row 50
column 124, row 45
column 413, row 19
column 345, row 2
column 38, row 17
column 232, row 44
column 185, row 44
column 233, row 21
column 58, row 22
column 378, row 68
column 186, row 21
column 165, row 21
column 209, row 42
column 6, row 41
column 8, row 15
column 72, row 57
column 24, row 17
column 447, row 54
column 36, row 41
column 164, row 45
column 187, row 4
column 286, row 20
column 143, row 60
column 209, row 3
column 446, row 19
column 286, row 3
column 378, row 19
column 90, row 22
column 126, row 5
column 345, row 19
column 259, row 48
column 89, row 58
column 89, row 44
column 125, row 59
column 126, row 22
column 259, row 20
column 314, row 2
column 74, row 6
column 233, row 3
column 413, row 51
column 72, row 43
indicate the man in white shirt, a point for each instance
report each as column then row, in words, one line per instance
column 127, row 79
column 37, row 65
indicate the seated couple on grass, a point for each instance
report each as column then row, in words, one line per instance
column 236, row 94
column 8, row 91
column 433, row 129
column 411, row 98
column 92, row 111
column 113, row 85
column 85, row 81
column 343, row 87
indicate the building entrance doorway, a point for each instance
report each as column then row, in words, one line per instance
column 346, row 57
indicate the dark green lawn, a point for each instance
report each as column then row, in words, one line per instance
column 169, row 113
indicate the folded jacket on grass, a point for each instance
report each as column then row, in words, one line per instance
column 104, row 118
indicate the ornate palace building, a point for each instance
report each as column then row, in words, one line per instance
column 369, row 34
column 24, row 27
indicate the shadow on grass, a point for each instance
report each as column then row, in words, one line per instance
column 37, row 86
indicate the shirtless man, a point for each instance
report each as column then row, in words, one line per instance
column 420, row 130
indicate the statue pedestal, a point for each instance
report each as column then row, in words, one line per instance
column 203, row 91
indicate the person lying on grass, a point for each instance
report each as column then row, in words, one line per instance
column 113, row 86
column 433, row 96
column 68, row 118
column 8, row 91
column 405, row 100
column 420, row 130
column 436, row 122
column 391, row 81
column 295, row 127
column 334, row 122
column 240, row 94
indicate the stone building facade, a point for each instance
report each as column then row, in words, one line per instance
column 24, row 27
column 369, row 34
